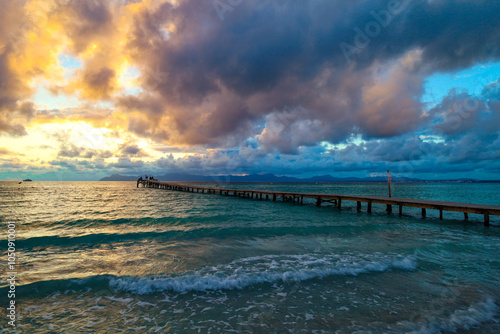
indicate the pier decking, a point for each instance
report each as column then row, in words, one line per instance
column 465, row 208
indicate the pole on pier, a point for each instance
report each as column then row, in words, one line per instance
column 389, row 180
column 486, row 219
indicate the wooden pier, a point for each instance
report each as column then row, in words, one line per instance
column 465, row 208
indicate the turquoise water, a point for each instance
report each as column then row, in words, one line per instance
column 108, row 257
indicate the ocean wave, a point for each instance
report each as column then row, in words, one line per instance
column 475, row 315
column 245, row 272
column 179, row 233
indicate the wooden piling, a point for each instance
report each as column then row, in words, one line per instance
column 465, row 208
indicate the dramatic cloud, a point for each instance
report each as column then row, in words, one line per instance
column 287, row 85
column 277, row 58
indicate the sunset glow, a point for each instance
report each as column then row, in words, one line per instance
column 94, row 88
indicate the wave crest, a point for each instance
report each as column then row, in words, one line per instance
column 245, row 272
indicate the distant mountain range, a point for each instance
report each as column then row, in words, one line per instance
column 259, row 178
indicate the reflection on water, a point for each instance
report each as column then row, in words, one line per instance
column 107, row 256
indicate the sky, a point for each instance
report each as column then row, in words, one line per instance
column 90, row 88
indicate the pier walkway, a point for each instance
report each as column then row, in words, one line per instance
column 465, row 208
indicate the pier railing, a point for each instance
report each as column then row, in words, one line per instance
column 424, row 205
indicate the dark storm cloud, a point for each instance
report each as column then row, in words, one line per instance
column 99, row 79
column 13, row 87
column 459, row 113
column 132, row 150
column 15, row 111
column 270, row 80
column 73, row 151
column 270, row 57
column 85, row 21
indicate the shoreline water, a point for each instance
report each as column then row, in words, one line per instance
column 97, row 256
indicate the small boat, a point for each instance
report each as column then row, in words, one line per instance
column 27, row 180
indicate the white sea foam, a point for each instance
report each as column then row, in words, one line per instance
column 265, row 269
column 473, row 316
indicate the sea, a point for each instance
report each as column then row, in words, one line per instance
column 109, row 257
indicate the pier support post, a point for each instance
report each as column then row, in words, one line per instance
column 274, row 198
column 486, row 219
column 359, row 206
column 389, row 208
column 466, row 215
column 441, row 214
column 301, row 199
column 369, row 210
column 267, row 197
column 424, row 212
column 400, row 210
column 339, row 203
column 318, row 201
